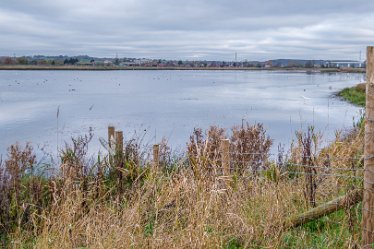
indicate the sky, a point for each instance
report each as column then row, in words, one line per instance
column 188, row 30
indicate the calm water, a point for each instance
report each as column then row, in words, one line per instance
column 167, row 104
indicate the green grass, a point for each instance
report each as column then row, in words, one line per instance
column 327, row 232
column 354, row 95
column 233, row 243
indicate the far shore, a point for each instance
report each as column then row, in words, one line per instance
column 116, row 68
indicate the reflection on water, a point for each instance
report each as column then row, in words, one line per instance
column 167, row 103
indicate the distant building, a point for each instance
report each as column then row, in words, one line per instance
column 344, row 64
column 128, row 64
column 268, row 64
column 108, row 63
column 136, row 63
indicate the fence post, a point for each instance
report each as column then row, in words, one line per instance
column 368, row 199
column 119, row 141
column 156, row 156
column 111, row 131
column 119, row 149
column 225, row 153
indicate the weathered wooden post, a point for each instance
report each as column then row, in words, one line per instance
column 368, row 199
column 119, row 149
column 119, row 142
column 225, row 153
column 156, row 156
column 111, row 131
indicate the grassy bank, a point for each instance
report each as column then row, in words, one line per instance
column 121, row 201
column 354, row 95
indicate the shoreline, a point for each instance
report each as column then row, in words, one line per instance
column 114, row 68
column 356, row 95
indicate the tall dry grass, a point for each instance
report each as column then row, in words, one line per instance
column 100, row 204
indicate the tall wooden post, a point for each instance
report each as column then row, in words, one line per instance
column 119, row 142
column 119, row 150
column 225, row 152
column 368, row 200
column 111, row 131
column 156, row 156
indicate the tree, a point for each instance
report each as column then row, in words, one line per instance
column 43, row 62
column 22, row 60
column 309, row 64
column 71, row 61
column 8, row 61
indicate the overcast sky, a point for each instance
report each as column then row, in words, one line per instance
column 188, row 29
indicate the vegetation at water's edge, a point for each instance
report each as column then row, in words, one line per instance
column 121, row 200
column 354, row 95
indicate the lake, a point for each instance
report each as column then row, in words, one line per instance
column 167, row 104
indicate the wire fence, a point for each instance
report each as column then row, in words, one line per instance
column 223, row 161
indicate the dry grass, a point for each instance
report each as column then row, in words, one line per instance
column 173, row 212
column 183, row 207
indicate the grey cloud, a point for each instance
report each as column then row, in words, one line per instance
column 209, row 29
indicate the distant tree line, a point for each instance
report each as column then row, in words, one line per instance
column 28, row 61
column 131, row 62
column 71, row 61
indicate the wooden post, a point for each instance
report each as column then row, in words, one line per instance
column 368, row 200
column 348, row 200
column 156, row 156
column 225, row 153
column 119, row 142
column 111, row 131
column 118, row 156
